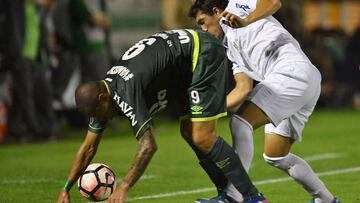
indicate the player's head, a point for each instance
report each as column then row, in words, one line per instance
column 207, row 14
column 92, row 99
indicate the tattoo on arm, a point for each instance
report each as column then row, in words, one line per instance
column 146, row 149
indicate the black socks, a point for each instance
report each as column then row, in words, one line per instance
column 225, row 158
column 215, row 174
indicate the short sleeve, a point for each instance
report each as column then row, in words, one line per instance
column 96, row 126
column 236, row 69
column 132, row 105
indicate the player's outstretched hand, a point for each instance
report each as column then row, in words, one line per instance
column 120, row 193
column 233, row 20
column 64, row 197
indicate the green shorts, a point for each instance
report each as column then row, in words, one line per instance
column 209, row 85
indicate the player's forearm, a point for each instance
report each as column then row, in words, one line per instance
column 83, row 157
column 235, row 98
column 264, row 8
column 169, row 17
column 82, row 160
column 146, row 150
column 243, row 86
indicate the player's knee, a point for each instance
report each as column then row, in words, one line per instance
column 204, row 141
column 236, row 121
column 279, row 162
column 239, row 126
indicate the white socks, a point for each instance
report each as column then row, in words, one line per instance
column 242, row 135
column 302, row 173
column 296, row 167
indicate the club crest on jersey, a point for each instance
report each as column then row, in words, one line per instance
column 242, row 6
column 126, row 109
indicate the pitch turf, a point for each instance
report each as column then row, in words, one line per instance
column 36, row 172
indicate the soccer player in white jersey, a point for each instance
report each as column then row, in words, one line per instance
column 288, row 89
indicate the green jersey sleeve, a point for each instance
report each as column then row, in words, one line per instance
column 96, row 126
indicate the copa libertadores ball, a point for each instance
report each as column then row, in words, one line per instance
column 97, row 182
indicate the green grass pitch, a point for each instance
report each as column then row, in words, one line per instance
column 36, row 172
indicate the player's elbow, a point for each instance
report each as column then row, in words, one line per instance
column 148, row 144
column 276, row 4
column 152, row 148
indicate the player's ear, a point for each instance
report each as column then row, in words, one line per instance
column 103, row 96
column 216, row 11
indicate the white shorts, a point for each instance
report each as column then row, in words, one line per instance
column 288, row 96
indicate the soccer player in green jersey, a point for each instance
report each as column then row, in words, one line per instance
column 186, row 69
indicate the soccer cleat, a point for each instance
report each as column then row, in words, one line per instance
column 221, row 198
column 336, row 200
column 256, row 199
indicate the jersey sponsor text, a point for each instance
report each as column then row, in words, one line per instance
column 126, row 109
column 122, row 71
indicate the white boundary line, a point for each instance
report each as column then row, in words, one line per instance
column 320, row 157
column 26, row 182
column 316, row 157
column 263, row 182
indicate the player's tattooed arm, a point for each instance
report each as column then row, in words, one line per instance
column 146, row 149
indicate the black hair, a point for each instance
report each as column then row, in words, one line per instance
column 206, row 6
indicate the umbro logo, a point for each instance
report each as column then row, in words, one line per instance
column 196, row 108
column 222, row 164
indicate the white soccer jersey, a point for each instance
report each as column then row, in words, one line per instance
column 265, row 51
column 258, row 48
column 289, row 84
